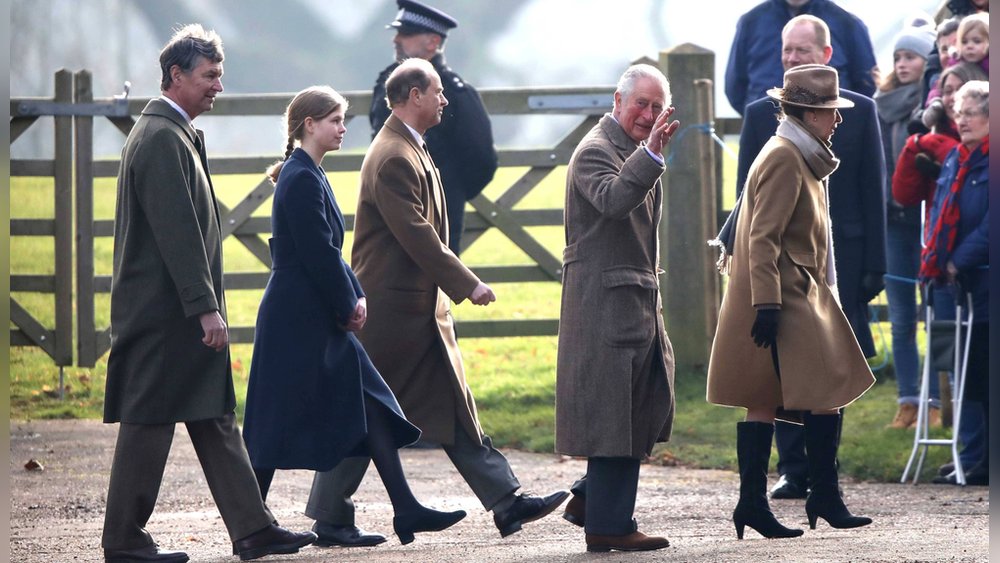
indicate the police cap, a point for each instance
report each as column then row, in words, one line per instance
column 415, row 17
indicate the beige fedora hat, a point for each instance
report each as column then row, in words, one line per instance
column 811, row 86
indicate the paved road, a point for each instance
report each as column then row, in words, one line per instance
column 57, row 513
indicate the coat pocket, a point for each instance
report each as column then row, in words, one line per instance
column 628, row 306
column 805, row 263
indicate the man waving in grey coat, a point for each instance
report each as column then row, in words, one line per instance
column 614, row 379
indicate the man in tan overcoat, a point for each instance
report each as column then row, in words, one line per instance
column 169, row 358
column 402, row 259
column 614, row 378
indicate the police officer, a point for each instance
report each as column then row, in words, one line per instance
column 462, row 145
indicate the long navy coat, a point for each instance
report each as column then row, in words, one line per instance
column 305, row 402
column 857, row 206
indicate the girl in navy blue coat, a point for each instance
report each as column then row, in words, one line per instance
column 314, row 396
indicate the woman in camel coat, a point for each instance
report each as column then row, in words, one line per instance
column 783, row 346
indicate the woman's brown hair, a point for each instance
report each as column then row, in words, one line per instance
column 316, row 102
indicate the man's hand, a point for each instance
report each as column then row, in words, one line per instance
column 360, row 316
column 482, row 295
column 216, row 333
column 872, row 283
column 663, row 130
column 951, row 272
column 765, row 328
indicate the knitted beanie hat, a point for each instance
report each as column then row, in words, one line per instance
column 919, row 40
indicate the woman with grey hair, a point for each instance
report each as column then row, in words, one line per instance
column 955, row 260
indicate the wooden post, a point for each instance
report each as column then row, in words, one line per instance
column 86, row 332
column 690, row 287
column 63, row 177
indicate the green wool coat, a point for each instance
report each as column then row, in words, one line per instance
column 167, row 272
column 615, row 365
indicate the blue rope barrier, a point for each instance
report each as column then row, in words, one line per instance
column 707, row 129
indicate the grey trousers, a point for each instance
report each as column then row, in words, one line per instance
column 485, row 469
column 137, row 471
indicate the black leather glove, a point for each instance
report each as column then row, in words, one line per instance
column 872, row 283
column 765, row 328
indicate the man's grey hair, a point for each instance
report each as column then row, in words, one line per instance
column 186, row 48
column 977, row 91
column 627, row 81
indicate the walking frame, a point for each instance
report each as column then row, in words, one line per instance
column 959, row 363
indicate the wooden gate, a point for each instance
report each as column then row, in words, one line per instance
column 691, row 191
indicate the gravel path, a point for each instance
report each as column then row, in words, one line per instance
column 57, row 513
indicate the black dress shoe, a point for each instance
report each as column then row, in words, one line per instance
column 331, row 535
column 576, row 510
column 787, row 488
column 423, row 519
column 151, row 552
column 526, row 508
column 270, row 540
column 975, row 477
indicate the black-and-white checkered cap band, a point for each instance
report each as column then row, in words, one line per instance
column 413, row 19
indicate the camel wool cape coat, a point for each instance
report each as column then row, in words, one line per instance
column 780, row 257
column 401, row 257
column 615, row 366
column 167, row 271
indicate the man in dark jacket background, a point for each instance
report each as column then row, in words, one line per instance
column 462, row 145
column 169, row 358
column 857, row 212
column 755, row 62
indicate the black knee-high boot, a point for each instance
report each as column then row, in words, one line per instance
column 825, row 500
column 753, row 450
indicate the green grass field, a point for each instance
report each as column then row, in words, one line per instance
column 513, row 379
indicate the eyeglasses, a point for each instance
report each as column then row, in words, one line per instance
column 967, row 114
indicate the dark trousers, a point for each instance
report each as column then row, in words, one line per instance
column 609, row 489
column 791, row 441
column 137, row 471
column 482, row 466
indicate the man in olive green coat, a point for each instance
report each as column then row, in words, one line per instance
column 615, row 366
column 169, row 358
column 402, row 259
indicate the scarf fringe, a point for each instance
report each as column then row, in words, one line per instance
column 725, row 260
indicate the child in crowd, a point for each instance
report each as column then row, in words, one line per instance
column 973, row 40
column 947, row 37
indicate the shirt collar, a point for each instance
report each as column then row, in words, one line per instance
column 174, row 105
column 416, row 136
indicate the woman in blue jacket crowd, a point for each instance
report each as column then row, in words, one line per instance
column 955, row 260
column 314, row 396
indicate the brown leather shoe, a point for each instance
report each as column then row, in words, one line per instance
column 576, row 510
column 906, row 416
column 272, row 539
column 636, row 541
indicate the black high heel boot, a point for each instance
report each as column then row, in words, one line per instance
column 825, row 500
column 423, row 520
column 753, row 450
